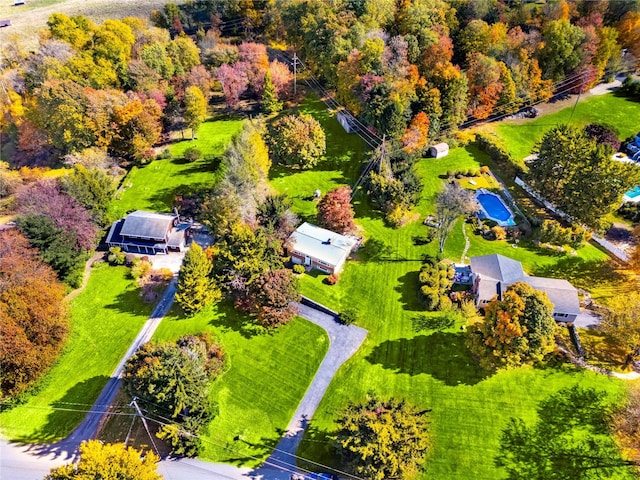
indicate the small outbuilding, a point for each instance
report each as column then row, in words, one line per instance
column 316, row 247
column 5, row 23
column 346, row 121
column 439, row 150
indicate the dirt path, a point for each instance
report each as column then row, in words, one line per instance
column 85, row 276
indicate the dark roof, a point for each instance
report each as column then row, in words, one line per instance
column 141, row 224
column 497, row 267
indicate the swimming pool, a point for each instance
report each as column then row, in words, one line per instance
column 492, row 207
column 633, row 193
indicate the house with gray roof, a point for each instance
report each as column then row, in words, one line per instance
column 316, row 247
column 149, row 232
column 491, row 275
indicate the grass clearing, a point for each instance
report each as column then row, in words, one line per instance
column 267, row 376
column 154, row 186
column 520, row 136
column 341, row 164
column 105, row 318
column 407, row 354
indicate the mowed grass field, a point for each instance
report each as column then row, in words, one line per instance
column 520, row 136
column 154, row 186
column 27, row 20
column 105, row 318
column 267, row 375
column 421, row 356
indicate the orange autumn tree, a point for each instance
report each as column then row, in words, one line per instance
column 33, row 316
column 517, row 330
column 416, row 136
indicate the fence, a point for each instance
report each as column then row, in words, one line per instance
column 611, row 248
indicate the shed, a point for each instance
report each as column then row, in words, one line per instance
column 17, row 3
column 345, row 120
column 439, row 150
column 5, row 23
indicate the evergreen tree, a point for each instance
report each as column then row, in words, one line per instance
column 195, row 289
column 383, row 439
column 270, row 102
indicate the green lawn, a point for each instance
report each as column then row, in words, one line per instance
column 342, row 163
column 407, row 355
column 520, row 136
column 268, row 373
column 105, row 318
column 154, row 186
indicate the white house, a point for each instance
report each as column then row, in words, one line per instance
column 316, row 247
column 491, row 275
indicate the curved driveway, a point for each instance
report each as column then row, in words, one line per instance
column 32, row 462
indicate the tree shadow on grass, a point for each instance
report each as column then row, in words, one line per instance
column 443, row 355
column 408, row 287
column 571, row 439
column 69, row 412
column 230, row 318
column 584, row 273
column 130, row 302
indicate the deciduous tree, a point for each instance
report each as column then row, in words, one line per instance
column 195, row 108
column 109, row 460
column 579, row 176
column 271, row 297
column 517, row 329
column 335, row 211
column 297, row 140
column 234, row 83
column 620, row 323
column 33, row 316
column 381, row 439
column 560, row 53
column 45, row 198
column 93, row 189
column 451, row 203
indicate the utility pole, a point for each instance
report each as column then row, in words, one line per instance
column 295, row 73
column 382, row 152
column 144, row 422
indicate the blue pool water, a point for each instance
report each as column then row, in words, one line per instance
column 634, row 192
column 495, row 208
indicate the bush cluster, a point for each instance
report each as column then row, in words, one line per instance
column 436, row 279
column 630, row 211
column 552, row 232
column 498, row 153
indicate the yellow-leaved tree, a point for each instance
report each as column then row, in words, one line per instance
column 109, row 460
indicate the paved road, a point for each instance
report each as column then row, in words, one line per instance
column 344, row 342
column 32, row 462
column 16, row 460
